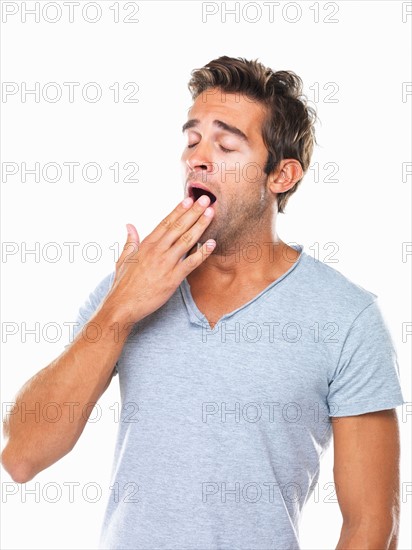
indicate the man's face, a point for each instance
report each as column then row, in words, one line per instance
column 225, row 155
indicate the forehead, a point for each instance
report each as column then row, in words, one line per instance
column 233, row 108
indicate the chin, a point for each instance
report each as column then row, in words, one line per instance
column 210, row 233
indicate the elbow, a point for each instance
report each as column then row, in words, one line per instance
column 393, row 535
column 382, row 535
column 19, row 470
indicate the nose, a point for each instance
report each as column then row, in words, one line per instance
column 200, row 159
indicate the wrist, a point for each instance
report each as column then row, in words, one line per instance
column 117, row 310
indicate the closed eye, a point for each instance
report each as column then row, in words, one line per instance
column 224, row 149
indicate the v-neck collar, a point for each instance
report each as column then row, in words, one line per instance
column 198, row 318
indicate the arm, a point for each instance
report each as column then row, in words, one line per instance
column 79, row 376
column 366, row 472
column 145, row 279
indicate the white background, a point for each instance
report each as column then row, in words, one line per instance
column 366, row 132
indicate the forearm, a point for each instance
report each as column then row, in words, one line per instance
column 52, row 408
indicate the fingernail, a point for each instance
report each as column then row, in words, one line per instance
column 204, row 200
column 210, row 244
column 208, row 212
column 187, row 201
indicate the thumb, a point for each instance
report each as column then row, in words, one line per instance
column 131, row 246
column 132, row 234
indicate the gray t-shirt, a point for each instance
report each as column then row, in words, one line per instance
column 222, row 431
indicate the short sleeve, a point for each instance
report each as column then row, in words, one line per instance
column 89, row 307
column 366, row 378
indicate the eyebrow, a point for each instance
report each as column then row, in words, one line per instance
column 220, row 124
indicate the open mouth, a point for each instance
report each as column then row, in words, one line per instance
column 197, row 192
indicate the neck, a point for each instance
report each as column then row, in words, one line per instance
column 249, row 259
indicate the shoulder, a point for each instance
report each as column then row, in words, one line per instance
column 327, row 287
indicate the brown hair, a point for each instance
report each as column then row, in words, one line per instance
column 288, row 131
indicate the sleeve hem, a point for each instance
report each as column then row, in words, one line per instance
column 366, row 407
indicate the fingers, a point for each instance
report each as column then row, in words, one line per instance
column 190, row 263
column 185, row 226
column 183, row 219
column 176, row 234
column 131, row 247
column 186, row 240
column 173, row 220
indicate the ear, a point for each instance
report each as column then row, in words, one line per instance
column 284, row 177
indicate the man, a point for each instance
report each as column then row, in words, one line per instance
column 234, row 351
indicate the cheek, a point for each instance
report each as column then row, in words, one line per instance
column 259, row 156
column 253, row 173
column 229, row 169
column 254, row 167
